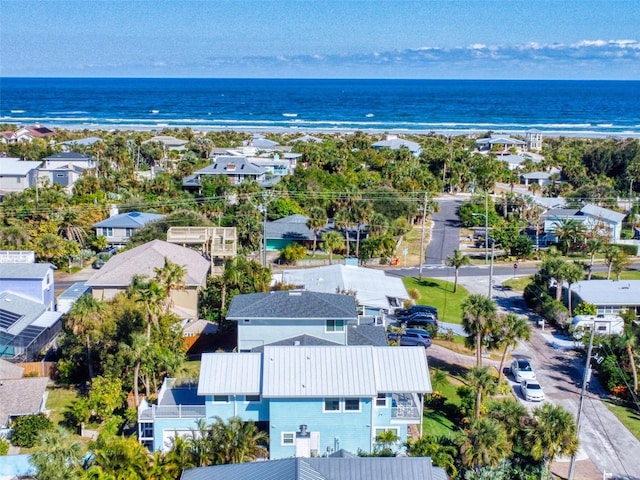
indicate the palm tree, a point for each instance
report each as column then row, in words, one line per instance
column 317, row 220
column 14, row 237
column 570, row 233
column 151, row 293
column 478, row 320
column 136, row 353
column 594, row 245
column 511, row 415
column 363, row 215
column 58, row 457
column 85, row 320
column 332, row 241
column 573, row 272
column 236, row 441
column 171, row 276
column 485, row 445
column 620, row 263
column 344, row 221
column 441, row 450
column 481, row 379
column 118, row 457
column 627, row 341
column 512, row 328
column 70, row 227
column 612, row 256
column 553, row 432
column 387, row 439
column 457, row 260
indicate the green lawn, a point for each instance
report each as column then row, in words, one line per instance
column 517, row 283
column 58, row 400
column 439, row 293
column 627, row 275
column 436, row 422
column 628, row 417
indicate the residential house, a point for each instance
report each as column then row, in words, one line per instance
column 81, row 142
column 33, row 281
column 392, row 142
column 71, row 295
column 306, row 139
column 373, row 289
column 310, row 400
column 120, row 226
column 500, row 142
column 266, row 318
column 168, row 142
column 8, row 136
column 65, row 168
column 533, row 138
column 236, row 169
column 345, row 467
column 541, row 178
column 17, row 175
column 19, row 396
column 596, row 220
column 26, row 326
column 609, row 296
column 117, row 274
column 287, row 230
column 80, row 160
column 28, row 134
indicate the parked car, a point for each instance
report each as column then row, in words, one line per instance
column 522, row 370
column 98, row 264
column 418, row 319
column 405, row 312
column 412, row 337
column 532, row 391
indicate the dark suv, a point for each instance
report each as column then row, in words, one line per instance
column 405, row 312
column 412, row 337
column 418, row 319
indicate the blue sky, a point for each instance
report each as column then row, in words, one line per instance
column 470, row 39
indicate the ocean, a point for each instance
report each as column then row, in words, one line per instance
column 570, row 108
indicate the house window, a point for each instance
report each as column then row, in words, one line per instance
column 128, row 232
column 252, row 398
column 331, row 405
column 221, row 398
column 107, row 231
column 287, row 438
column 351, row 404
column 381, row 400
column 335, row 326
column 146, row 430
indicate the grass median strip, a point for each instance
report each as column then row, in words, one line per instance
column 439, row 293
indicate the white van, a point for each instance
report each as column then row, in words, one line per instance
column 604, row 324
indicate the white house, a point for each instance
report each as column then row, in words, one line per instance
column 17, row 175
column 609, row 296
column 392, row 142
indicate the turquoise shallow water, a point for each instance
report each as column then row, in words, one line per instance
column 562, row 107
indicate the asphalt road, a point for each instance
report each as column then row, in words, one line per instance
column 445, row 232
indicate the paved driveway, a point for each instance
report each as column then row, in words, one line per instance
column 445, row 233
column 606, row 445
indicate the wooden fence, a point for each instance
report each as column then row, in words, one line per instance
column 39, row 369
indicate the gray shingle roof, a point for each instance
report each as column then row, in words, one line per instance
column 22, row 396
column 366, row 335
column 129, row 220
column 67, row 157
column 293, row 304
column 298, row 341
column 9, row 370
column 291, row 227
column 143, row 259
column 323, row 468
column 602, row 213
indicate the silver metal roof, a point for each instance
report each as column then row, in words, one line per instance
column 608, row 292
column 230, row 374
column 393, row 373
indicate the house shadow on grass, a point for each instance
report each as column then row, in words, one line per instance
column 428, row 283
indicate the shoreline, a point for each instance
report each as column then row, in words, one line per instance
column 340, row 130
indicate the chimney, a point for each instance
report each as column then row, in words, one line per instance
column 113, row 211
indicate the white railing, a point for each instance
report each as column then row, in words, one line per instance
column 172, row 411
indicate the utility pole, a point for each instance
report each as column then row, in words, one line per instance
column 585, row 379
column 424, row 219
column 493, row 246
column 486, row 227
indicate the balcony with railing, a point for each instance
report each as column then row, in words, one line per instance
column 177, row 398
column 406, row 406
